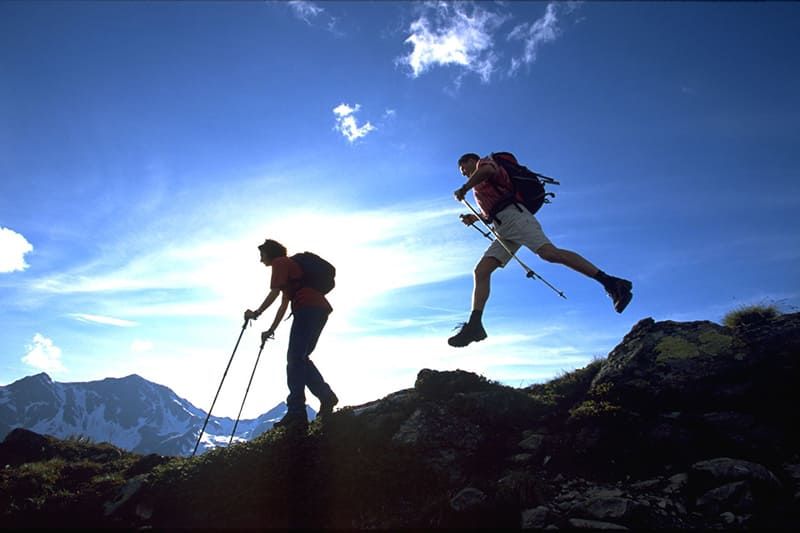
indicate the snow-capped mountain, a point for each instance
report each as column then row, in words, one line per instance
column 131, row 412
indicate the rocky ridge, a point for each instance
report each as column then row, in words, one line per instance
column 685, row 425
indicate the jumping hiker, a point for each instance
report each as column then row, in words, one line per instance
column 516, row 226
column 310, row 309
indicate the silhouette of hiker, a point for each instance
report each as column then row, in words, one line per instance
column 310, row 309
column 517, row 227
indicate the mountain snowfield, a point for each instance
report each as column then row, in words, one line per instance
column 131, row 412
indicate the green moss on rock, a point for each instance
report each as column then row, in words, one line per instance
column 714, row 343
column 671, row 348
column 593, row 409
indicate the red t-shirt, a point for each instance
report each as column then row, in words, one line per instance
column 286, row 275
column 492, row 190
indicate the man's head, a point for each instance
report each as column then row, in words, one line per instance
column 467, row 163
column 271, row 250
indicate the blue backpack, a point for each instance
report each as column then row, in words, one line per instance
column 318, row 274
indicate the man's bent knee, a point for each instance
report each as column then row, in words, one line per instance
column 485, row 267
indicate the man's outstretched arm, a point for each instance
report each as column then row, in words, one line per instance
column 481, row 174
column 278, row 317
column 271, row 297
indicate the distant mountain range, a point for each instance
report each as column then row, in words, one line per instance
column 131, row 412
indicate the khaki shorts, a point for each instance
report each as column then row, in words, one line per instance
column 516, row 228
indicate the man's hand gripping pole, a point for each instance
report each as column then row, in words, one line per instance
column 528, row 271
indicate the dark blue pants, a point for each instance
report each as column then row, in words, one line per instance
column 307, row 325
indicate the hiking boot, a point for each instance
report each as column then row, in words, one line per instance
column 326, row 406
column 292, row 421
column 620, row 292
column 470, row 331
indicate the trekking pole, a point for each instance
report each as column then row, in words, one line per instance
column 264, row 340
column 484, row 233
column 200, row 436
column 529, row 272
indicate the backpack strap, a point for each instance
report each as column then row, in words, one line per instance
column 508, row 197
column 502, row 204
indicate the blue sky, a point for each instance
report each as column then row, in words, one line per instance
column 147, row 148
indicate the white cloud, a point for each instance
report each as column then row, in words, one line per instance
column 347, row 125
column 141, row 346
column 313, row 15
column 543, row 30
column 343, row 110
column 305, row 10
column 13, row 248
column 207, row 276
column 107, row 320
column 570, row 6
column 453, row 34
column 463, row 35
column 43, row 354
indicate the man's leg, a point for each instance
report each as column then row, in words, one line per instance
column 473, row 329
column 617, row 288
column 301, row 338
column 551, row 254
column 313, row 378
column 481, row 278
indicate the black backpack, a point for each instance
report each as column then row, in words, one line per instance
column 528, row 185
column 318, row 274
